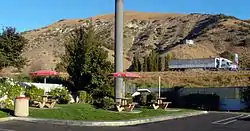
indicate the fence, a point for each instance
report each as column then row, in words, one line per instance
column 223, row 92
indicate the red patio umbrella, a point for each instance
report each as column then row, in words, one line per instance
column 44, row 73
column 126, row 74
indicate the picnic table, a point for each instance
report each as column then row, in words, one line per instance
column 47, row 101
column 160, row 104
column 124, row 105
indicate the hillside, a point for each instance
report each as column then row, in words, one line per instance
column 143, row 32
column 194, row 79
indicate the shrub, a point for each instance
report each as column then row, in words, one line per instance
column 82, row 96
column 22, row 78
column 3, row 89
column 34, row 93
column 227, row 55
column 62, row 95
column 80, row 20
column 107, row 102
column 14, row 91
column 9, row 91
column 104, row 103
column 247, row 42
column 89, row 99
column 151, row 97
column 7, row 103
column 129, row 95
column 143, row 99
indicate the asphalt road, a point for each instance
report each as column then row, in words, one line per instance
column 208, row 122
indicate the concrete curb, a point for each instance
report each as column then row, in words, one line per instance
column 107, row 123
column 6, row 119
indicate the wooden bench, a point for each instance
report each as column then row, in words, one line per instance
column 119, row 107
column 163, row 105
column 48, row 104
column 39, row 104
column 128, row 107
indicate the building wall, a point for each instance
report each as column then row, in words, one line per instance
column 225, row 92
column 229, row 96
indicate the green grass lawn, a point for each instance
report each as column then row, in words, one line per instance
column 3, row 114
column 88, row 112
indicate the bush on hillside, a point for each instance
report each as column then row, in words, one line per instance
column 247, row 42
column 22, row 78
column 227, row 55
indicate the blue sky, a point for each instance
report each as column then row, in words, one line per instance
column 31, row 14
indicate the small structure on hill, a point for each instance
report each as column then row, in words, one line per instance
column 189, row 42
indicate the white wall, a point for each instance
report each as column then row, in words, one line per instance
column 46, row 87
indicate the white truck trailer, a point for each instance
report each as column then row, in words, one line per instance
column 202, row 63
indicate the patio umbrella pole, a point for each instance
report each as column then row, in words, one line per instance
column 44, row 80
column 44, row 92
column 159, row 88
column 118, row 48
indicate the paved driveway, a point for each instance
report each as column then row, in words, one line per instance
column 208, row 122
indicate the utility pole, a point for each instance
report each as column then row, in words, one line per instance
column 118, row 48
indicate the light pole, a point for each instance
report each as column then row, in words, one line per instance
column 118, row 48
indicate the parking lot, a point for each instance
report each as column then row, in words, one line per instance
column 207, row 122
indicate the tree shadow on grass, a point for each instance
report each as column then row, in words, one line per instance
column 7, row 111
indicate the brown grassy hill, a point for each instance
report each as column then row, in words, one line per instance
column 143, row 32
column 194, row 79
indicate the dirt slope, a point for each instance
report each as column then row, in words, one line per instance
column 143, row 32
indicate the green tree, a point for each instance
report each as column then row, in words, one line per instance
column 157, row 63
column 12, row 45
column 153, row 61
column 145, row 64
column 160, row 63
column 86, row 62
column 168, row 57
column 150, row 62
column 135, row 64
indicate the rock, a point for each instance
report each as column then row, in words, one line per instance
column 132, row 26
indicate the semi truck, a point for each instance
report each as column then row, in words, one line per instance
column 202, row 63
